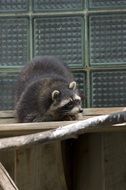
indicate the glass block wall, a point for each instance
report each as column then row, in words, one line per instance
column 88, row 35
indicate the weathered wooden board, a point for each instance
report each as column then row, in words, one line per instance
column 97, row 160
column 6, row 183
column 87, row 111
column 7, row 114
column 100, row 162
column 35, row 168
column 9, row 127
column 88, row 164
column 101, row 111
column 7, row 120
column 7, row 158
column 40, row 167
column 114, row 150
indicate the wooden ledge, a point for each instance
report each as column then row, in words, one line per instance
column 87, row 112
column 9, row 127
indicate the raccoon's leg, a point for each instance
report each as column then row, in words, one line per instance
column 44, row 118
column 34, row 117
column 30, row 117
column 38, row 118
column 26, row 118
column 24, row 114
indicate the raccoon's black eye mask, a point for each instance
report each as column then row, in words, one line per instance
column 71, row 104
column 65, row 109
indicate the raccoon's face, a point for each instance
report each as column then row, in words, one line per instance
column 66, row 102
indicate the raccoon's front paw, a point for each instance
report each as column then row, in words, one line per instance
column 66, row 118
column 32, row 117
column 69, row 118
column 76, row 117
column 79, row 116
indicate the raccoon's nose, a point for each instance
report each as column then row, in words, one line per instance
column 80, row 110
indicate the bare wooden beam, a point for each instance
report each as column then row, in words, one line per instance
column 8, row 130
column 101, row 111
column 7, row 114
column 87, row 111
column 95, row 124
column 9, row 126
column 6, row 183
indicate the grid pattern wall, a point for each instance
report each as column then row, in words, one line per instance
column 88, row 35
column 107, row 3
column 57, row 5
column 59, row 36
column 108, row 39
column 108, row 88
column 14, row 5
column 13, row 41
column 7, row 90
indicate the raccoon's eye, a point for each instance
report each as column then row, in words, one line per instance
column 70, row 104
column 78, row 101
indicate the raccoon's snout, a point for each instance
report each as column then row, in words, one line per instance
column 76, row 110
column 80, row 110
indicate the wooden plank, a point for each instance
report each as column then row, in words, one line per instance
column 88, row 163
column 16, row 129
column 6, row 183
column 7, row 114
column 115, row 161
column 13, row 120
column 87, row 111
column 40, row 167
column 96, row 124
column 28, row 128
column 7, row 120
column 101, row 111
column 100, row 162
column 7, row 158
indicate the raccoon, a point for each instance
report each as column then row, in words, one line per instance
column 46, row 91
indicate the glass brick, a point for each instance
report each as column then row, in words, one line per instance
column 108, row 39
column 61, row 37
column 13, row 41
column 7, row 90
column 47, row 5
column 108, row 88
column 106, row 3
column 14, row 5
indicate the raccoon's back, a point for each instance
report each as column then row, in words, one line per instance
column 42, row 68
column 46, row 67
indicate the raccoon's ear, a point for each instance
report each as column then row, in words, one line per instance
column 55, row 94
column 73, row 85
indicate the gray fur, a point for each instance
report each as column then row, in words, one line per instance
column 36, row 84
